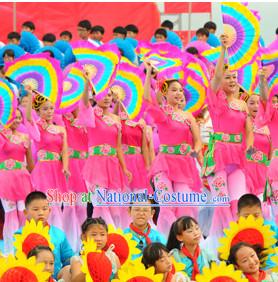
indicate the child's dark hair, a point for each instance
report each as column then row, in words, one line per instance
column 13, row 35
column 168, row 24
column 133, row 28
column 234, row 249
column 85, row 24
column 66, row 33
column 192, row 50
column 120, row 30
column 34, row 252
column 210, row 25
column 276, row 32
column 8, row 53
column 51, row 54
column 248, row 200
column 98, row 28
column 202, row 31
column 181, row 224
column 36, row 195
column 93, row 221
column 30, row 25
column 161, row 31
column 49, row 37
column 152, row 253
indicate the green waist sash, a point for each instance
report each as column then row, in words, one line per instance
column 102, row 150
column 131, row 150
column 75, row 154
column 48, row 156
column 258, row 157
column 182, row 149
column 11, row 164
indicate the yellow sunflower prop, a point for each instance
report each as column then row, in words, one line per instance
column 248, row 230
column 136, row 272
column 21, row 269
column 96, row 265
column 274, row 259
column 178, row 267
column 32, row 235
column 220, row 273
column 125, row 247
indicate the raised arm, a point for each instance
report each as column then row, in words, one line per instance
column 147, row 85
column 85, row 96
column 263, row 85
column 29, row 105
column 218, row 76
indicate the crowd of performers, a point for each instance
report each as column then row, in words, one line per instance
column 97, row 145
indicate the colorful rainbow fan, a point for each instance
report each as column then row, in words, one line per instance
column 73, row 87
column 195, row 94
column 58, row 55
column 200, row 70
column 172, row 73
column 220, row 273
column 163, row 62
column 101, row 64
column 243, row 29
column 129, row 85
column 247, row 77
column 125, row 247
column 39, row 71
column 212, row 54
column 33, row 235
column 8, row 103
column 273, row 85
column 249, row 230
column 21, row 269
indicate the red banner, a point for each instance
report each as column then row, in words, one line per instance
column 56, row 17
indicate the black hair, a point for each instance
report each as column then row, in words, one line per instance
column 276, row 31
column 210, row 25
column 161, row 31
column 168, row 24
column 9, row 53
column 202, row 31
column 132, row 28
column 181, row 224
column 13, row 35
column 36, row 195
column 235, row 248
column 34, row 252
column 120, row 30
column 98, row 28
column 66, row 33
column 93, row 221
column 49, row 37
column 248, row 200
column 29, row 24
column 85, row 24
column 192, row 50
column 152, row 253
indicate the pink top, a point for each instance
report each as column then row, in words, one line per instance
column 12, row 146
column 131, row 133
column 76, row 135
column 262, row 140
column 269, row 116
column 226, row 117
column 102, row 129
column 173, row 128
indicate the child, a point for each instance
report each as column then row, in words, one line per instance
column 119, row 32
column 44, row 255
column 37, row 208
column 247, row 258
column 160, row 35
column 140, row 227
column 96, row 229
column 184, row 239
column 97, row 33
column 157, row 255
column 14, row 38
column 66, row 35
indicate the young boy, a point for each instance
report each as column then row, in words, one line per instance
column 97, row 33
column 49, row 39
column 13, row 38
column 202, row 34
column 119, row 32
column 132, row 30
column 160, row 35
column 28, row 26
column 37, row 208
column 140, row 227
column 66, row 35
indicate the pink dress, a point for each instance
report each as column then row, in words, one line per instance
column 227, row 118
column 269, row 116
column 14, row 177
column 132, row 135
column 48, row 171
column 256, row 172
column 78, row 152
column 174, row 130
column 102, row 167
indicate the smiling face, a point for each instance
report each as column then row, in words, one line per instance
column 17, row 121
column 247, row 260
column 190, row 236
column 229, row 82
column 105, row 102
column 174, row 93
column 46, row 111
column 253, row 105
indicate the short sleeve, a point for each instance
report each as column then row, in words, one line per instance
column 217, row 102
column 86, row 115
column 156, row 113
column 265, row 114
